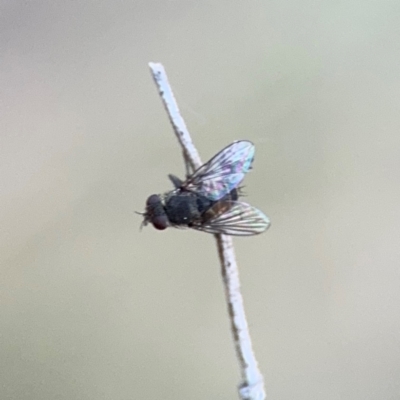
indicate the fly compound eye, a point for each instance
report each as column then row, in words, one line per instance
column 160, row 222
column 153, row 200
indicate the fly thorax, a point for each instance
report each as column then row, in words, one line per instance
column 182, row 208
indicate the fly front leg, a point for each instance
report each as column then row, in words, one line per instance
column 175, row 181
column 188, row 167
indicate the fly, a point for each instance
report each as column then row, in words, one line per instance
column 208, row 199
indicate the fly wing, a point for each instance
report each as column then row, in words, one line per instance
column 240, row 219
column 223, row 172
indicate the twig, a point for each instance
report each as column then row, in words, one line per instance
column 252, row 385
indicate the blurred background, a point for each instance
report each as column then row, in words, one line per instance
column 92, row 308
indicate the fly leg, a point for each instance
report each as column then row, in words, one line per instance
column 188, row 166
column 177, row 182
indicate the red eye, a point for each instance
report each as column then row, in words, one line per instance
column 160, row 222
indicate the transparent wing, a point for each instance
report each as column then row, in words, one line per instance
column 240, row 219
column 223, row 172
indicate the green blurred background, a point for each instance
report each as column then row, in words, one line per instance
column 92, row 308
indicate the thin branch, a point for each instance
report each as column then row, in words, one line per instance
column 252, row 385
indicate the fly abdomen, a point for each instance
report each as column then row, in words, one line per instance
column 233, row 195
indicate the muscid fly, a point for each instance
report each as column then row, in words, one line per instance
column 208, row 199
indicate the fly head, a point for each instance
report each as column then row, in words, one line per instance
column 155, row 212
